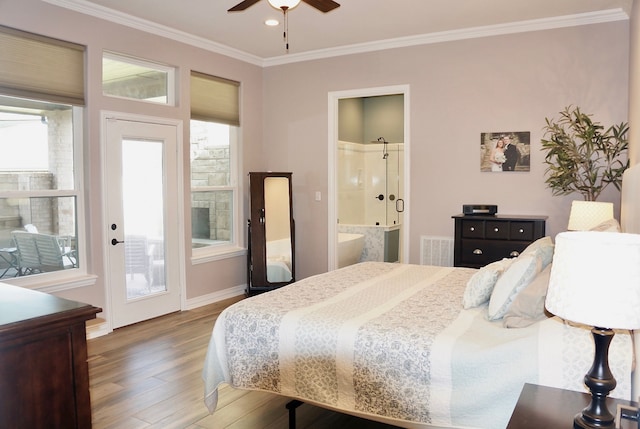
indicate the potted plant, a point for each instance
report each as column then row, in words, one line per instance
column 582, row 156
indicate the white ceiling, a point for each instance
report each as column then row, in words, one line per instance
column 357, row 25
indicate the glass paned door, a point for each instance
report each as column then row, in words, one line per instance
column 142, row 219
column 142, row 204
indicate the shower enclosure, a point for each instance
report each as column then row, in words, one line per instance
column 370, row 196
column 369, row 183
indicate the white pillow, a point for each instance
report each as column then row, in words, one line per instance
column 610, row 225
column 528, row 305
column 544, row 247
column 513, row 280
column 480, row 285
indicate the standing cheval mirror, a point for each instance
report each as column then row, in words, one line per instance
column 271, row 254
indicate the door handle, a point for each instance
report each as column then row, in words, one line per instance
column 114, row 242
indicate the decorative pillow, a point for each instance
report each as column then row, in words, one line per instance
column 528, row 306
column 512, row 281
column 480, row 285
column 544, row 246
column 610, row 225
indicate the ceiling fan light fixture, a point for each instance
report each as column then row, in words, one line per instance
column 284, row 4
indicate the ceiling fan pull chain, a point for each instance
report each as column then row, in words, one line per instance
column 286, row 28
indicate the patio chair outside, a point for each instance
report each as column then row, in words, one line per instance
column 53, row 255
column 138, row 256
column 27, row 253
column 41, row 253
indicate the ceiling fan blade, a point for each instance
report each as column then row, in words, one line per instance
column 243, row 5
column 322, row 5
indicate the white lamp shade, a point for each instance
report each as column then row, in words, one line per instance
column 587, row 214
column 278, row 4
column 595, row 279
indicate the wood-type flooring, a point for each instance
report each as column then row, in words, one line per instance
column 148, row 375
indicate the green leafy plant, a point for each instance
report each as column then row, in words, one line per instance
column 582, row 156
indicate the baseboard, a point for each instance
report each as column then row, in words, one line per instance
column 214, row 297
column 97, row 327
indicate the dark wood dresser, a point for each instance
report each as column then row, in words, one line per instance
column 44, row 375
column 481, row 239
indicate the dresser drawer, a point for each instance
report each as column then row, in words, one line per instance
column 481, row 252
column 495, row 230
column 521, row 231
column 472, row 228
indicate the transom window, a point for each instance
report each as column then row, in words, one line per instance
column 137, row 79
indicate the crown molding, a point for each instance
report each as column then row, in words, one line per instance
column 131, row 21
column 453, row 35
column 88, row 8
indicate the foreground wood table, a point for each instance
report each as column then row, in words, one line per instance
column 550, row 408
column 44, row 376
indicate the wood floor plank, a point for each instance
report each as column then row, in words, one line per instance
column 148, row 375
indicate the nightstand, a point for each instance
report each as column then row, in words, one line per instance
column 550, row 408
column 481, row 239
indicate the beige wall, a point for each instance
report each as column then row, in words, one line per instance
column 457, row 90
column 634, row 85
column 97, row 35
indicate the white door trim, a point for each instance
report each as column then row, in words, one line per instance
column 334, row 98
column 180, row 264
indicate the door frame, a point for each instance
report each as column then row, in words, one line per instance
column 180, row 263
column 332, row 197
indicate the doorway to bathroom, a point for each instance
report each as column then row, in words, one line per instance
column 368, row 176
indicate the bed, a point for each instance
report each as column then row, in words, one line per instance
column 415, row 346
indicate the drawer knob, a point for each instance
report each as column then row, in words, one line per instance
column 495, row 229
column 514, row 254
column 521, row 230
column 477, row 252
column 472, row 228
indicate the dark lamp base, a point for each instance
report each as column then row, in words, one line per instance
column 600, row 382
column 581, row 423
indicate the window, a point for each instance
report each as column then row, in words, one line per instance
column 136, row 79
column 214, row 165
column 38, row 194
column 41, row 109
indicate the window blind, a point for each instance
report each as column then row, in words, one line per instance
column 33, row 66
column 215, row 99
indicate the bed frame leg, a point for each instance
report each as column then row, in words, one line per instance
column 291, row 406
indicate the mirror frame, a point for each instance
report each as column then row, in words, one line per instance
column 261, row 210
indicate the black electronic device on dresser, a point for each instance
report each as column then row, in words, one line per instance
column 482, row 239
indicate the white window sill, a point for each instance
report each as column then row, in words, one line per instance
column 54, row 282
column 217, row 255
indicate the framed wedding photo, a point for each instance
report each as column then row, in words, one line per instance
column 505, row 151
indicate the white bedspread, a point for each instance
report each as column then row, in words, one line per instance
column 392, row 341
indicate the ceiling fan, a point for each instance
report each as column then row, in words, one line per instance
column 284, row 5
column 321, row 5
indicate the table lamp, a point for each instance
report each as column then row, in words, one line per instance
column 595, row 281
column 585, row 215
